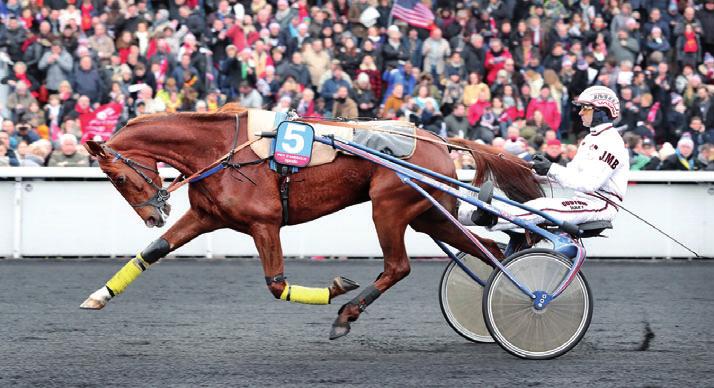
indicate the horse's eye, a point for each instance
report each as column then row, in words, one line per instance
column 121, row 179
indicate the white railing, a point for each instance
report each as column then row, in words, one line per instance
column 49, row 212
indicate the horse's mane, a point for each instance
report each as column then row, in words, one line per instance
column 230, row 108
column 510, row 173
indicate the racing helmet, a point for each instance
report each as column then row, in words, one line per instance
column 600, row 98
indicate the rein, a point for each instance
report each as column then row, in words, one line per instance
column 218, row 165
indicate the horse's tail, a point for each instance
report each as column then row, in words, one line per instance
column 508, row 172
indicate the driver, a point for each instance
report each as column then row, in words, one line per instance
column 598, row 173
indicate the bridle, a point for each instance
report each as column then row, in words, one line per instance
column 160, row 198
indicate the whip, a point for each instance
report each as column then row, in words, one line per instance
column 659, row 230
column 648, row 224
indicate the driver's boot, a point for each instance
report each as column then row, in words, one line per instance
column 481, row 217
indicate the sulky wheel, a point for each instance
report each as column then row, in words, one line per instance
column 460, row 298
column 514, row 322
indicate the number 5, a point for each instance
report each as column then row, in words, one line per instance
column 290, row 135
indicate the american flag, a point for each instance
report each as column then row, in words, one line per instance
column 413, row 12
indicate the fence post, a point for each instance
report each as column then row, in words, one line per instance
column 17, row 225
column 209, row 245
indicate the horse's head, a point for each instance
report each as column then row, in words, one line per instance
column 138, row 181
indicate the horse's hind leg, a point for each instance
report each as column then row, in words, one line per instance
column 390, row 229
column 267, row 241
column 184, row 230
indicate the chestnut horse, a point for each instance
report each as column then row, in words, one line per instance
column 192, row 141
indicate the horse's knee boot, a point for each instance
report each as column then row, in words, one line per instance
column 156, row 250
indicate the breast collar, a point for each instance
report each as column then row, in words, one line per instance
column 598, row 129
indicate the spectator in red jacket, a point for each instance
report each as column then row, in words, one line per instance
column 547, row 106
column 495, row 59
column 477, row 108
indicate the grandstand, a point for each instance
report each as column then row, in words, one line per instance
column 503, row 72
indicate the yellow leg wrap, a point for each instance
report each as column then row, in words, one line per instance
column 305, row 295
column 131, row 270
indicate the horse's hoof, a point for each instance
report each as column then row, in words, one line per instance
column 97, row 300
column 92, row 304
column 344, row 285
column 339, row 330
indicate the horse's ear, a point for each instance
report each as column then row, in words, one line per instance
column 95, row 149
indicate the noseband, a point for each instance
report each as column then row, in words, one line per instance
column 160, row 198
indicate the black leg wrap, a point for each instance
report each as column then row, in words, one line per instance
column 279, row 278
column 155, row 251
column 365, row 298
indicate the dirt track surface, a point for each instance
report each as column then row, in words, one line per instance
column 213, row 323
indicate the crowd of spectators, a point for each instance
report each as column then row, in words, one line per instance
column 503, row 72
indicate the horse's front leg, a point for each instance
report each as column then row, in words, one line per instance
column 188, row 227
column 267, row 241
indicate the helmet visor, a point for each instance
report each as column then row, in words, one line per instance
column 582, row 104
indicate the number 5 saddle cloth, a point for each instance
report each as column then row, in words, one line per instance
column 378, row 135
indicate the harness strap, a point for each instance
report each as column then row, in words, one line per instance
column 243, row 164
column 284, row 186
column 235, row 140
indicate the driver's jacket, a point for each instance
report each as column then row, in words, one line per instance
column 601, row 165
